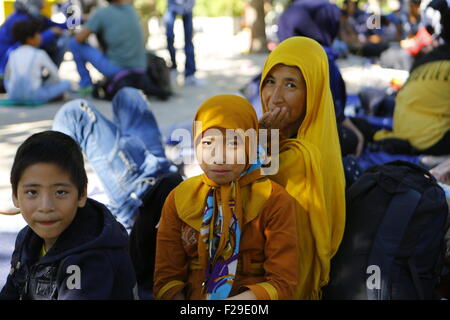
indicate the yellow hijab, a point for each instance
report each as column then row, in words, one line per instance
column 422, row 107
column 310, row 165
column 250, row 191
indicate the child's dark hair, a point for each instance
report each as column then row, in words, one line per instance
column 50, row 147
column 24, row 29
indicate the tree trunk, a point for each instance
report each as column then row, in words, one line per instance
column 257, row 26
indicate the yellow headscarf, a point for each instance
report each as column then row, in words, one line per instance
column 251, row 191
column 310, row 165
column 422, row 107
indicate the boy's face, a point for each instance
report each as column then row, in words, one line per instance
column 218, row 155
column 48, row 200
column 35, row 40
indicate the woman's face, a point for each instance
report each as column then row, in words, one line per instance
column 285, row 86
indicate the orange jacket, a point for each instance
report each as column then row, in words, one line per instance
column 268, row 255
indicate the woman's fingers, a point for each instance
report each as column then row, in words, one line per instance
column 280, row 118
column 277, row 118
column 264, row 121
column 267, row 121
column 284, row 117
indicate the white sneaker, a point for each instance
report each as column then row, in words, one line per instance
column 193, row 81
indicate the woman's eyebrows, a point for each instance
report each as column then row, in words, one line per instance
column 284, row 78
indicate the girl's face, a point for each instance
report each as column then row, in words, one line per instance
column 221, row 156
column 285, row 86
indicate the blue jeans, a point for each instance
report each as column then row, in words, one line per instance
column 52, row 91
column 83, row 53
column 57, row 49
column 126, row 154
column 169, row 19
column 20, row 91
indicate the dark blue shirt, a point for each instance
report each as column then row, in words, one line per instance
column 89, row 260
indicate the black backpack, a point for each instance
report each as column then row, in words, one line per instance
column 158, row 72
column 134, row 78
column 143, row 235
column 393, row 245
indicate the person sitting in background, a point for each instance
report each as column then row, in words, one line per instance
column 422, row 107
column 24, row 78
column 348, row 38
column 416, row 37
column 418, row 121
column 119, row 32
column 425, row 31
column 53, row 41
column 358, row 17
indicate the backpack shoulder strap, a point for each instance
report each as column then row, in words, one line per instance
column 388, row 239
column 361, row 186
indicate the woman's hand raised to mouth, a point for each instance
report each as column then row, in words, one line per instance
column 277, row 118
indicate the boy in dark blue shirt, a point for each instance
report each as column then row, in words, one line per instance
column 72, row 248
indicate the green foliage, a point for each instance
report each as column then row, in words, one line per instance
column 203, row 8
column 161, row 6
column 217, row 8
column 145, row 8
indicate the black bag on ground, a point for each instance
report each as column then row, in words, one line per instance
column 134, row 78
column 143, row 234
column 2, row 85
column 393, row 244
column 158, row 72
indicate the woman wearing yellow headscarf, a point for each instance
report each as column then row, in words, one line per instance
column 296, row 99
column 230, row 232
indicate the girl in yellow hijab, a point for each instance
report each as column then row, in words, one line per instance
column 296, row 99
column 229, row 233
